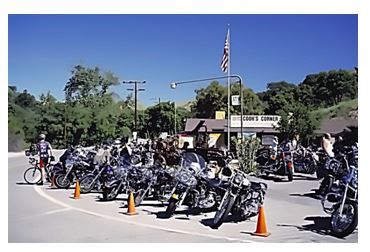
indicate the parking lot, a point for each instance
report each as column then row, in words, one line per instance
column 293, row 214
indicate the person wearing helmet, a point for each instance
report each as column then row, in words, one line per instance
column 45, row 151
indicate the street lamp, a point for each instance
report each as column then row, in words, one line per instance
column 174, row 85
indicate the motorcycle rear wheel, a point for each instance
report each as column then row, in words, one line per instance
column 326, row 185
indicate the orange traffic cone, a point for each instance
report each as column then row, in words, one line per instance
column 261, row 229
column 131, row 205
column 77, row 190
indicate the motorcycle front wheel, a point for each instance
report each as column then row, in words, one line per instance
column 344, row 225
column 62, row 182
column 224, row 211
column 139, row 197
column 171, row 208
column 110, row 193
column 87, row 183
column 32, row 175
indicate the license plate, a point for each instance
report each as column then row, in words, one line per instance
column 175, row 196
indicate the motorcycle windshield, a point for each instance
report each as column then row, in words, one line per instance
column 193, row 162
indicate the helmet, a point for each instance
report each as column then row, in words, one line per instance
column 42, row 136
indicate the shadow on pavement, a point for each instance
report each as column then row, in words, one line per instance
column 101, row 200
column 274, row 178
column 321, row 225
column 152, row 204
column 23, row 183
column 312, row 195
column 209, row 222
column 304, row 177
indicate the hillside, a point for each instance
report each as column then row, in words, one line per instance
column 345, row 109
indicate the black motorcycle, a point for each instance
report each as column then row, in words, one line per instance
column 95, row 179
column 242, row 198
column 342, row 203
column 155, row 181
column 125, row 176
column 195, row 186
column 75, row 167
column 336, row 167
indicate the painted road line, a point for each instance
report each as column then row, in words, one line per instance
column 48, row 197
column 57, row 211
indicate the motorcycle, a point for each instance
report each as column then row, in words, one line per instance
column 335, row 168
column 280, row 163
column 75, row 167
column 194, row 187
column 342, row 203
column 124, row 177
column 96, row 178
column 305, row 160
column 242, row 198
column 157, row 182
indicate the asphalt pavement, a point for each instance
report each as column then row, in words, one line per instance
column 44, row 214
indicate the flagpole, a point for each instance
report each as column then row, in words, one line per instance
column 228, row 90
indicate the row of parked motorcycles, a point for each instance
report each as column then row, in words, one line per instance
column 143, row 171
column 186, row 177
column 338, row 175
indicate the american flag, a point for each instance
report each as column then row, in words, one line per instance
column 225, row 57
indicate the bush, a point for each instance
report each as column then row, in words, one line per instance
column 246, row 152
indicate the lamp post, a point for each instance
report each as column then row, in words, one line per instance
column 174, row 85
column 136, row 90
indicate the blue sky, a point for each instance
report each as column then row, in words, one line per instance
column 165, row 48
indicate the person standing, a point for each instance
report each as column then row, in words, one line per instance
column 45, row 151
column 327, row 144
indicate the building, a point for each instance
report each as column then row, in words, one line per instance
column 259, row 125
column 253, row 125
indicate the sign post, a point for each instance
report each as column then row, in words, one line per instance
column 235, row 100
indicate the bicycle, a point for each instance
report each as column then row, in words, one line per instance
column 33, row 175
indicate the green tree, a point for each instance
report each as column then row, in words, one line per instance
column 297, row 123
column 25, row 100
column 86, row 83
column 278, row 96
column 161, row 118
column 209, row 100
column 214, row 98
column 252, row 104
column 329, row 88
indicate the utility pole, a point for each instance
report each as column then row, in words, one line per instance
column 135, row 90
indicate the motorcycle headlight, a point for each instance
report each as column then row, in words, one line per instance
column 238, row 179
column 184, row 177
